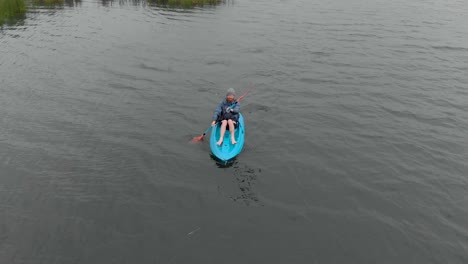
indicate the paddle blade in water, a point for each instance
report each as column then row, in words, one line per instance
column 199, row 138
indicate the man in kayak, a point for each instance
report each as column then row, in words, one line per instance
column 228, row 113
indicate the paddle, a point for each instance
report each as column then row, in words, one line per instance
column 200, row 138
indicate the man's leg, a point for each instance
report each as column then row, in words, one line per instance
column 232, row 130
column 223, row 130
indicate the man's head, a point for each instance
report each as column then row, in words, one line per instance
column 230, row 95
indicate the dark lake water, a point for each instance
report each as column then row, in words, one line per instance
column 356, row 133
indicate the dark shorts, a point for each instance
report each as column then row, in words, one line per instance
column 236, row 124
column 234, row 118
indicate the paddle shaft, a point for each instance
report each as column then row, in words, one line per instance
column 206, row 131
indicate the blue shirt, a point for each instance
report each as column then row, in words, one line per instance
column 220, row 110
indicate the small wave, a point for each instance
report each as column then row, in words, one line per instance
column 154, row 68
column 254, row 107
column 449, row 48
column 364, row 35
column 254, row 50
column 320, row 53
column 218, row 62
column 317, row 81
column 441, row 121
column 126, row 76
column 121, row 86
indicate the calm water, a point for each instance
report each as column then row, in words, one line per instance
column 356, row 144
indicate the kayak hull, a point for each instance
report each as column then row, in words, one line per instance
column 227, row 150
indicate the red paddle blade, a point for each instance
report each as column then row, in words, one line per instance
column 197, row 139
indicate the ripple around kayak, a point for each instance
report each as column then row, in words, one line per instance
column 227, row 151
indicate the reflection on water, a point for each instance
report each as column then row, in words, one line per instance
column 185, row 3
column 167, row 3
column 15, row 21
column 72, row 3
column 53, row 4
column 164, row 4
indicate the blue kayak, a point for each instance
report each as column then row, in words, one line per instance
column 227, row 150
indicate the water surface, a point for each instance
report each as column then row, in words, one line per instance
column 356, row 143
